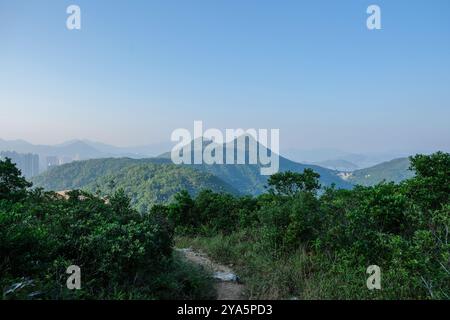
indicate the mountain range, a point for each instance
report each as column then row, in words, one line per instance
column 342, row 160
column 83, row 149
column 153, row 180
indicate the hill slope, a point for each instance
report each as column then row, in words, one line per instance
column 146, row 182
column 395, row 170
column 338, row 164
column 155, row 180
column 247, row 178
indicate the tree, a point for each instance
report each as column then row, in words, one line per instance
column 181, row 212
column 289, row 183
column 431, row 186
column 13, row 185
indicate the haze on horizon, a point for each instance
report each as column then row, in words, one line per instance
column 137, row 71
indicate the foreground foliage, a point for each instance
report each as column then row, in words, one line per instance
column 296, row 240
column 293, row 242
column 122, row 254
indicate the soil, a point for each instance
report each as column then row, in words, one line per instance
column 226, row 290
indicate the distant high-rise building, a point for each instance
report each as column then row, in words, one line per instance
column 27, row 163
column 35, row 166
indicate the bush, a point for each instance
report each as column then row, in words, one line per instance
column 121, row 253
column 403, row 228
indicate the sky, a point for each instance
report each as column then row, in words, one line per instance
column 138, row 70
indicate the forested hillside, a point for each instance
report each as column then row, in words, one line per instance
column 146, row 182
column 155, row 180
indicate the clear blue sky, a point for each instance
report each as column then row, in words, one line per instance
column 137, row 70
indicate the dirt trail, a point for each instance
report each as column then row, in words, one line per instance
column 227, row 283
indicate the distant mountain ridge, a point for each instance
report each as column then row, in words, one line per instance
column 152, row 180
column 248, row 178
column 338, row 165
column 83, row 149
column 395, row 170
column 360, row 160
column 78, row 150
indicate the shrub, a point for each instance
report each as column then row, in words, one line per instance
column 121, row 253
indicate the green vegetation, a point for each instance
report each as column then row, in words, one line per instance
column 292, row 242
column 395, row 170
column 248, row 179
column 295, row 240
column 146, row 183
column 122, row 254
column 164, row 179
